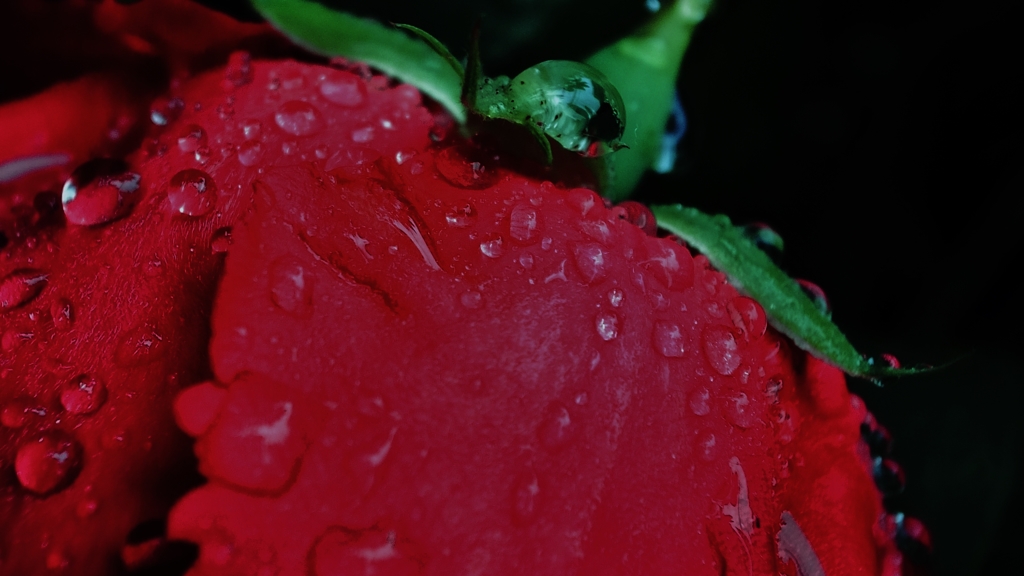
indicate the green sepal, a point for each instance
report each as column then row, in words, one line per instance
column 331, row 33
column 436, row 46
column 788, row 308
column 644, row 67
column 474, row 72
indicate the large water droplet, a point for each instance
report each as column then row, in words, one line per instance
column 250, row 153
column 721, row 349
column 239, row 70
column 492, row 248
column 607, row 324
column 669, row 339
column 591, row 261
column 298, row 118
column 99, row 191
column 291, row 285
column 748, row 317
column 525, row 497
column 191, row 138
column 700, row 401
column 739, row 409
column 556, row 427
column 343, row 88
column 83, row 394
column 523, row 225
column 48, row 462
column 192, row 192
column 20, row 287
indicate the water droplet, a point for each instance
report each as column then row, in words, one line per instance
column 239, row 70
column 889, row 477
column 739, row 409
column 341, row 551
column 638, row 215
column 289, row 147
column 343, row 88
column 298, row 118
column 250, row 152
column 291, row 285
column 669, row 339
column 141, row 345
column 192, row 192
column 191, row 138
column 57, row 561
column 86, row 508
column 877, row 437
column 748, row 317
column 615, row 297
column 166, row 110
column 555, row 429
column 545, row 243
column 465, row 167
column 48, row 462
column 913, row 540
column 607, row 325
column 83, row 394
column 766, row 239
column 363, row 135
column 20, row 287
column 492, row 248
column 18, row 411
column 99, row 191
column 706, row 446
column 525, row 497
column 581, row 399
column 221, row 241
column 700, row 401
column 153, row 268
column 462, row 216
column 890, row 361
column 471, row 299
column 523, row 224
column 592, row 262
column 13, row 338
column 225, row 111
column 252, row 129
column 817, row 295
column 403, row 156
column 721, row 349
column 526, row 261
column 203, row 155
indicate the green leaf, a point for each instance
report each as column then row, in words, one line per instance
column 644, row 67
column 330, row 33
column 788, row 308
